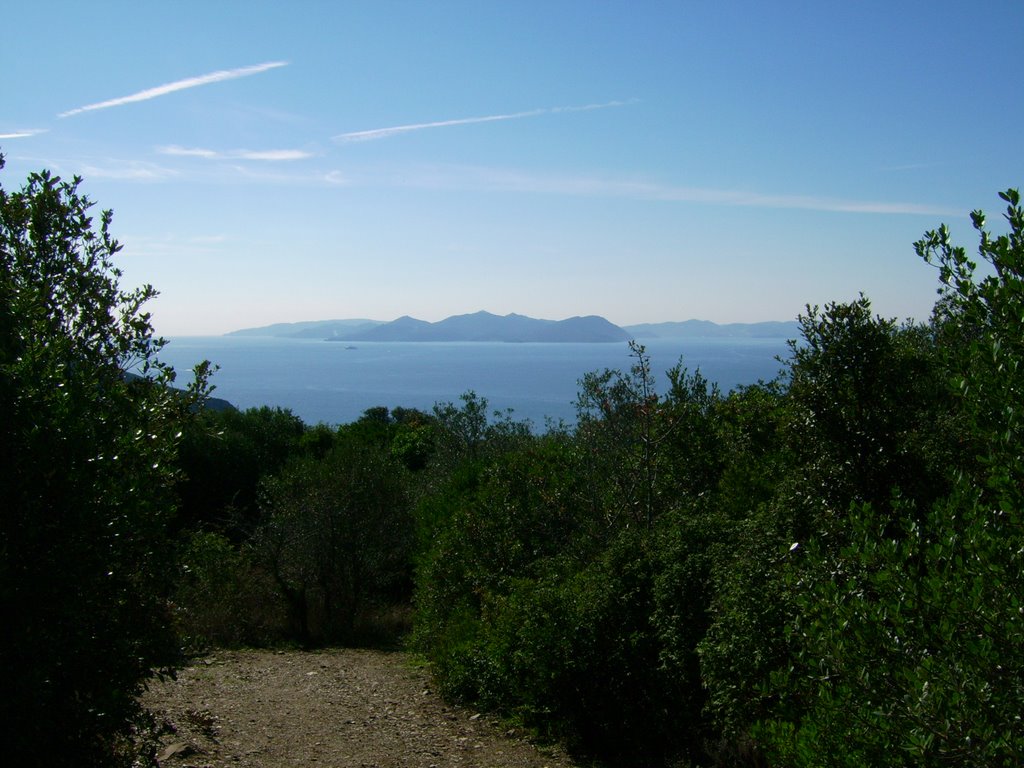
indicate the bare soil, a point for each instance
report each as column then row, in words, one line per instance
column 345, row 708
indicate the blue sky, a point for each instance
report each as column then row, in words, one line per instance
column 644, row 161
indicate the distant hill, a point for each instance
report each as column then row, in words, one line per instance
column 484, row 326
column 788, row 329
column 210, row 404
column 314, row 329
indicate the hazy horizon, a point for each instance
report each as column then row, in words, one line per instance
column 646, row 163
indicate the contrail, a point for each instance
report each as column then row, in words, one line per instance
column 382, row 133
column 178, row 85
column 236, row 154
column 23, row 134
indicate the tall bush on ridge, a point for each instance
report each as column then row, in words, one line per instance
column 868, row 398
column 865, row 419
column 618, row 423
column 908, row 644
column 988, row 313
column 642, row 450
column 86, row 457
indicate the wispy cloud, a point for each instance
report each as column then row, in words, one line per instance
column 23, row 134
column 173, row 245
column 274, row 155
column 383, row 133
column 177, row 151
column 177, row 85
column 271, row 155
column 126, row 171
column 502, row 180
column 262, row 174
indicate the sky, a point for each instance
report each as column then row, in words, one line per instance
column 642, row 161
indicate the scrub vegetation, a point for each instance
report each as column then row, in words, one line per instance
column 821, row 570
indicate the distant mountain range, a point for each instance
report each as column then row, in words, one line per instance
column 484, row 326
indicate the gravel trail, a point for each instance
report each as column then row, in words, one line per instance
column 336, row 708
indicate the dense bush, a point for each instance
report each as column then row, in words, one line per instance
column 764, row 576
column 908, row 643
column 567, row 582
column 336, row 538
column 226, row 454
column 222, row 598
column 86, row 467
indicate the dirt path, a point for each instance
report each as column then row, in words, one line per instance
column 343, row 708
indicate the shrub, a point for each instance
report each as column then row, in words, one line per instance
column 86, row 457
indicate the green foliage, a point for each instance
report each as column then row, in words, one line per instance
column 539, row 595
column 644, row 452
column 413, row 440
column 336, row 539
column 866, row 396
column 222, row 598
column 866, row 420
column 583, row 659
column 467, row 433
column 907, row 645
column 746, row 641
column 224, row 456
column 602, row 655
column 907, row 651
column 750, row 425
column 749, row 603
column 618, row 416
column 989, row 315
column 407, row 432
column 86, row 458
column 492, row 524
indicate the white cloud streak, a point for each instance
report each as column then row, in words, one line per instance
column 130, row 171
column 269, row 155
column 383, row 133
column 176, row 151
column 23, row 134
column 177, row 85
column 499, row 180
column 273, row 155
column 175, row 246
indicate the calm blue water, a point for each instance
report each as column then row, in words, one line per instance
column 329, row 382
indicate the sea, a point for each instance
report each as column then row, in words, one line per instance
column 336, row 382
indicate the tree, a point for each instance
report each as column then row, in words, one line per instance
column 870, row 408
column 867, row 427
column 908, row 642
column 336, row 538
column 86, row 457
column 223, row 457
column 617, row 418
column 646, row 451
column 986, row 314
